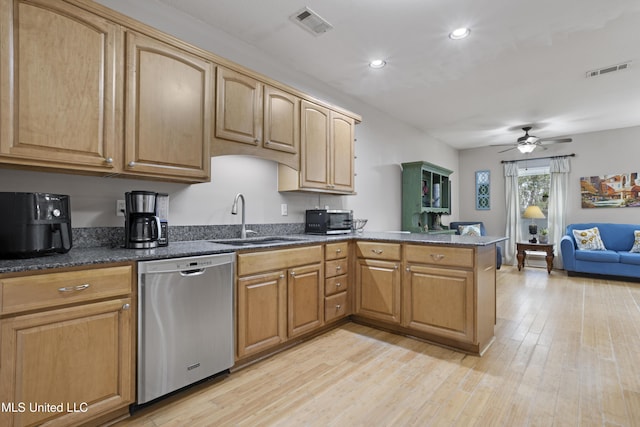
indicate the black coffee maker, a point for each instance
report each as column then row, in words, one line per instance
column 141, row 225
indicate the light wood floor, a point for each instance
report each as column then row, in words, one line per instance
column 567, row 353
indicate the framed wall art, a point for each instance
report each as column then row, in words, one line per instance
column 483, row 193
column 611, row 191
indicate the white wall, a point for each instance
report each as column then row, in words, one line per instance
column 383, row 143
column 597, row 153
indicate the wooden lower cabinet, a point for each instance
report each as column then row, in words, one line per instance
column 280, row 295
column 439, row 301
column 378, row 290
column 65, row 360
column 306, row 299
column 336, row 282
column 261, row 312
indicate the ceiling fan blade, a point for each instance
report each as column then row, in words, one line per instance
column 508, row 149
column 555, row 140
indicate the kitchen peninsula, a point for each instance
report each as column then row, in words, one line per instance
column 440, row 288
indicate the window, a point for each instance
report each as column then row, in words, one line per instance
column 533, row 187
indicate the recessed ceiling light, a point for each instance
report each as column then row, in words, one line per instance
column 459, row 33
column 377, row 63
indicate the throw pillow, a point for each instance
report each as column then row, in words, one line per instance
column 589, row 239
column 469, row 230
column 636, row 243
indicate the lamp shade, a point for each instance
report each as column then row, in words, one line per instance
column 526, row 148
column 533, row 212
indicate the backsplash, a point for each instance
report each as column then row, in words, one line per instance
column 91, row 237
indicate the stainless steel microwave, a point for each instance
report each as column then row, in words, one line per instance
column 328, row 221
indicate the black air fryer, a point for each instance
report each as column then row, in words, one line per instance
column 34, row 224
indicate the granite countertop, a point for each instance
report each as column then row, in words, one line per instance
column 102, row 255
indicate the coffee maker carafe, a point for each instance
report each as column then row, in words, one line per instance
column 142, row 226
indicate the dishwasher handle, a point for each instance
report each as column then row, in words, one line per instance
column 192, row 273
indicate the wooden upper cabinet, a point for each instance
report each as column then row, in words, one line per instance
column 326, row 153
column 314, row 162
column 169, row 110
column 238, row 107
column 342, row 152
column 281, row 120
column 61, row 68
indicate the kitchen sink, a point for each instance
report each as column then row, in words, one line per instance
column 257, row 240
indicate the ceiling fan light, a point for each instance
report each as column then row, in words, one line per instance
column 459, row 33
column 526, row 148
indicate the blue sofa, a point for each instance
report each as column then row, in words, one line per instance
column 454, row 226
column 616, row 260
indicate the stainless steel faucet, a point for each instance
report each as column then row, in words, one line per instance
column 234, row 211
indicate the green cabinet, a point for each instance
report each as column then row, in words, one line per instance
column 426, row 194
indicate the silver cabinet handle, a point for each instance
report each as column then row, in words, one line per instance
column 377, row 251
column 293, row 273
column 408, row 268
column 338, row 251
column 267, row 142
column 256, row 140
column 338, row 306
column 132, row 164
column 74, row 288
column 338, row 284
column 282, row 276
column 109, row 160
column 126, row 306
column 395, row 267
column 338, row 268
column 437, row 257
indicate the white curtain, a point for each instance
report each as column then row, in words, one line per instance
column 512, row 230
column 559, row 169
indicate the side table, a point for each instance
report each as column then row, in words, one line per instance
column 522, row 247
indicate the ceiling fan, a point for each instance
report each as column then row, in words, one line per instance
column 527, row 143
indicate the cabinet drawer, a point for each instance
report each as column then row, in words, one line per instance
column 336, row 250
column 336, row 284
column 440, row 255
column 53, row 289
column 336, row 267
column 258, row 262
column 376, row 250
column 335, row 306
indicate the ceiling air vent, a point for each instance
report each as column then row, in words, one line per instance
column 607, row 70
column 311, row 21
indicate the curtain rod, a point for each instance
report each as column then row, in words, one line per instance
column 538, row 158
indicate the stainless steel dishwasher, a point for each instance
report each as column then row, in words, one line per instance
column 185, row 322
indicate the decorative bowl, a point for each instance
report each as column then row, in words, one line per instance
column 358, row 225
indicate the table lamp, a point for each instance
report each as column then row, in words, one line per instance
column 534, row 213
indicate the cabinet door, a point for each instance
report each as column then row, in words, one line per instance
column 342, row 155
column 314, row 159
column 281, row 120
column 238, row 107
column 261, row 312
column 61, row 79
column 306, row 299
column 378, row 290
column 168, row 122
column 439, row 301
column 79, row 357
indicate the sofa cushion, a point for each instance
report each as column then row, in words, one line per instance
column 630, row 258
column 589, row 239
column 616, row 237
column 598, row 256
column 636, row 242
column 469, row 230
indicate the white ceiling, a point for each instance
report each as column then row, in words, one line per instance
column 524, row 63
